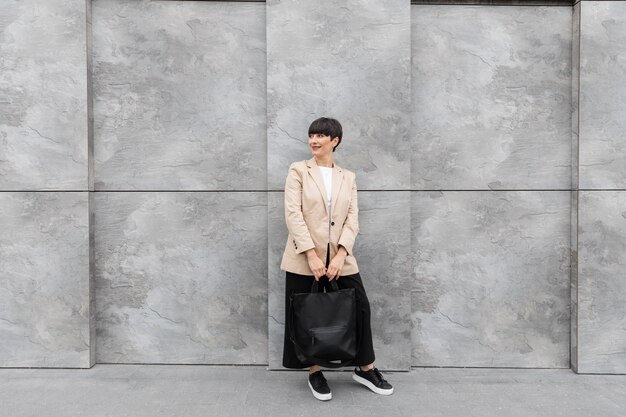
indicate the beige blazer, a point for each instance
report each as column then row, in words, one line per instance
column 306, row 215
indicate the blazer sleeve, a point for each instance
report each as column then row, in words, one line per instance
column 293, row 211
column 351, row 226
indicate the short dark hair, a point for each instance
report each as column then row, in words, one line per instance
column 327, row 127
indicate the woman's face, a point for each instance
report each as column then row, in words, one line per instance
column 321, row 145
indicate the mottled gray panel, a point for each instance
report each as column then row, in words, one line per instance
column 574, row 194
column 349, row 61
column 92, row 278
column 90, row 162
column 491, row 278
column 574, row 281
column 179, row 95
column 92, row 196
column 603, row 94
column 44, row 279
column 385, row 266
column 43, row 95
column 277, row 237
column 382, row 251
column 575, row 95
column 181, row 277
column 491, row 95
column 601, row 282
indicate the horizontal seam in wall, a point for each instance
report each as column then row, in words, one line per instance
column 280, row 191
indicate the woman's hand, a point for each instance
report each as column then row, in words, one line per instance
column 336, row 264
column 316, row 264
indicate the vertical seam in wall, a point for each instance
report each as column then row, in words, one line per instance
column 412, row 257
column 91, row 290
column 267, row 202
column 575, row 205
column 580, row 14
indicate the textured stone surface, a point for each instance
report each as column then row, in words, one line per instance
column 602, row 282
column 277, row 237
column 382, row 251
column 92, row 278
column 574, row 193
column 349, row 61
column 43, row 95
column 179, row 95
column 574, row 280
column 491, row 281
column 181, row 277
column 602, row 94
column 491, row 91
column 598, row 238
column 44, row 279
column 92, row 196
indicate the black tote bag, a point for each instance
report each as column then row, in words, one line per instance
column 323, row 325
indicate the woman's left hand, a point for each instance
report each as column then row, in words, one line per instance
column 335, row 266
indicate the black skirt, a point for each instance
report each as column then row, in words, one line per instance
column 296, row 283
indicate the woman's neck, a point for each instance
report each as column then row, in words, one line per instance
column 328, row 163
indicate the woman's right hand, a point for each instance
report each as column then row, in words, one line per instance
column 315, row 264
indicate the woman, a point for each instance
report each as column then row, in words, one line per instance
column 314, row 188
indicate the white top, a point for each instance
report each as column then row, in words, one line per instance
column 327, row 174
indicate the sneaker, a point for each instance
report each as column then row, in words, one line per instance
column 319, row 386
column 373, row 380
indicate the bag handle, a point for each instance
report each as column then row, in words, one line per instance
column 333, row 284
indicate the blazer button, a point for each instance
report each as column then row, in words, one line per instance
column 332, row 223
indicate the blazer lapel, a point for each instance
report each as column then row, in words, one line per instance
column 336, row 188
column 314, row 171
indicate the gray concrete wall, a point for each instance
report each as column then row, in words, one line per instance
column 144, row 147
column 180, row 175
column 599, row 313
column 490, row 167
column 45, row 303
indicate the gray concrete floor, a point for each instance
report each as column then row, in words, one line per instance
column 197, row 390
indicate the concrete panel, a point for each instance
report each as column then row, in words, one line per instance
column 277, row 236
column 602, row 94
column 601, row 282
column 44, row 280
column 43, row 95
column 181, row 277
column 598, row 323
column 574, row 193
column 491, row 281
column 179, row 95
column 491, row 95
column 382, row 252
column 349, row 61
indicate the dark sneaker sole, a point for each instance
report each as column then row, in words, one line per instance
column 319, row 395
column 371, row 386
